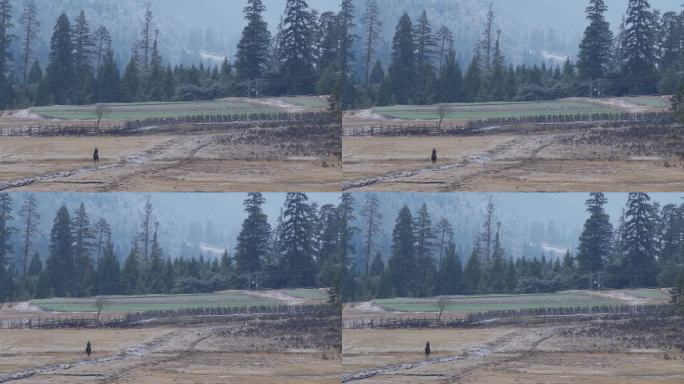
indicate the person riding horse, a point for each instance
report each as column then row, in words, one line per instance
column 96, row 156
column 434, row 156
column 89, row 349
column 427, row 350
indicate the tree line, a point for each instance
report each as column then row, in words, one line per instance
column 644, row 56
column 646, row 249
column 306, row 55
column 306, row 248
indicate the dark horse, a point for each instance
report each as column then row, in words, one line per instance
column 89, row 349
column 427, row 350
column 96, row 156
column 434, row 156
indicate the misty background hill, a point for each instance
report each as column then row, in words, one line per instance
column 532, row 30
column 189, row 31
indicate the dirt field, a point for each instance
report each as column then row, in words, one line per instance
column 527, row 162
column 253, row 350
column 540, row 158
column 596, row 351
column 204, row 162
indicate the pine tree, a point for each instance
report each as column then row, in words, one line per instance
column 36, row 266
column 297, row 244
column 497, row 272
column 497, row 81
column 378, row 266
column 144, row 45
column 84, row 240
column 450, row 84
column 108, row 272
column 347, row 229
column 403, row 263
column 130, row 275
column 451, row 273
column 131, row 81
column 154, row 280
column 472, row 82
column 373, row 217
column 30, row 216
column 425, row 245
column 445, row 39
column 595, row 241
column 103, row 43
column 640, row 243
column 35, row 75
column 84, row 50
column 472, row 273
column 108, row 82
column 6, row 231
column 639, row 67
column 30, row 29
column 402, row 70
column 372, row 25
column 595, row 49
column 253, row 49
column 297, row 52
column 253, row 242
column 6, row 38
column 155, row 75
column 61, row 267
column 426, row 49
column 61, row 73
column 346, row 33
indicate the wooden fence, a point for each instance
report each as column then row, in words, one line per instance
column 567, row 121
column 146, row 125
column 478, row 318
column 133, row 319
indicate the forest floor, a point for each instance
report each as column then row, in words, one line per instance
column 528, row 159
column 251, row 351
column 595, row 351
column 179, row 160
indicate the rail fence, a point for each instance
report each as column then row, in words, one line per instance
column 479, row 126
column 478, row 318
column 145, row 125
column 133, row 319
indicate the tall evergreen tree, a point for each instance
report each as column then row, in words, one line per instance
column 84, row 50
column 403, row 263
column 31, row 217
column 402, row 70
column 373, row 217
column 347, row 36
column 297, row 244
column 253, row 49
column 108, row 272
column 595, row 240
column 84, row 240
column 372, row 25
column 61, row 267
column 595, row 49
column 451, row 273
column 640, row 242
column 30, row 28
column 6, row 230
column 254, row 239
column 61, row 73
column 298, row 58
column 639, row 66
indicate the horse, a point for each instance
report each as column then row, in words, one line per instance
column 96, row 156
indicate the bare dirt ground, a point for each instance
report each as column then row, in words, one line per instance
column 255, row 351
column 593, row 352
column 230, row 161
column 529, row 161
